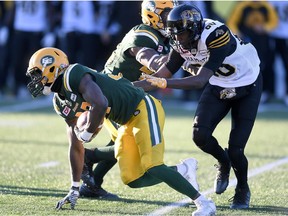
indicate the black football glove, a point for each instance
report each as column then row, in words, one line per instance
column 71, row 198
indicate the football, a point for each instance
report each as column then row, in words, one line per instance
column 82, row 120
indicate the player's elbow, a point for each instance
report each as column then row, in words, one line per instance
column 103, row 105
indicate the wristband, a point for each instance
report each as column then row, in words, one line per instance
column 86, row 136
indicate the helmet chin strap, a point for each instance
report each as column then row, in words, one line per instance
column 47, row 90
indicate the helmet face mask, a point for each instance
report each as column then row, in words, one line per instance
column 154, row 13
column 35, row 86
column 44, row 68
column 185, row 18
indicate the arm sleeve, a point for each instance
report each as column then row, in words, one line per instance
column 174, row 61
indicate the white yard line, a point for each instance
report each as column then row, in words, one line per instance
column 48, row 164
column 29, row 105
column 251, row 173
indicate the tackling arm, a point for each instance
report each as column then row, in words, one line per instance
column 191, row 82
column 152, row 60
column 148, row 57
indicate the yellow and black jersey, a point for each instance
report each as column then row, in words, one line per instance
column 219, row 38
column 234, row 62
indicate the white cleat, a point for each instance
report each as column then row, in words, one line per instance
column 190, row 174
column 205, row 207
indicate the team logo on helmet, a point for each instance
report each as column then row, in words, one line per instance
column 191, row 15
column 47, row 61
column 150, row 6
column 186, row 15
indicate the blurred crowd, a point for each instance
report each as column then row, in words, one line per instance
column 89, row 31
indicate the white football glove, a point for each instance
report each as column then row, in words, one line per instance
column 71, row 198
column 83, row 135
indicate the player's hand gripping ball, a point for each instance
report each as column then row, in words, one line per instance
column 80, row 129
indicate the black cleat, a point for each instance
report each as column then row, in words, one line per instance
column 222, row 177
column 241, row 199
column 87, row 174
column 96, row 192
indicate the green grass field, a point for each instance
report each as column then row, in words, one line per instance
column 32, row 139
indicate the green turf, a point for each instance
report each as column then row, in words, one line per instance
column 29, row 139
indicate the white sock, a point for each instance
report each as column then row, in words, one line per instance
column 181, row 168
column 200, row 198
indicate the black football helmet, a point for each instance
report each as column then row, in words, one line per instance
column 185, row 17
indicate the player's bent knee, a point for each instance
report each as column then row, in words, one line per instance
column 200, row 136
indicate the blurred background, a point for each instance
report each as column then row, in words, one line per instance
column 88, row 31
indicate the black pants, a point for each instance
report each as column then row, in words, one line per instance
column 211, row 110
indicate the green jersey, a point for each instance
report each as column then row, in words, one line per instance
column 140, row 36
column 122, row 96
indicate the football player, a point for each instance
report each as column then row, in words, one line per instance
column 142, row 50
column 228, row 68
column 102, row 156
column 145, row 46
column 115, row 98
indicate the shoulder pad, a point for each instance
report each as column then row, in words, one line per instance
column 218, row 37
column 147, row 31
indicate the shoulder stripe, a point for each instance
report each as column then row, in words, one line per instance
column 55, row 105
column 66, row 78
column 220, row 44
column 224, row 39
column 147, row 34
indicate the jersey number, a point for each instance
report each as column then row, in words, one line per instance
column 225, row 70
column 210, row 25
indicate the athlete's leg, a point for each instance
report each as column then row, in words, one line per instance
column 210, row 111
column 151, row 150
column 243, row 114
